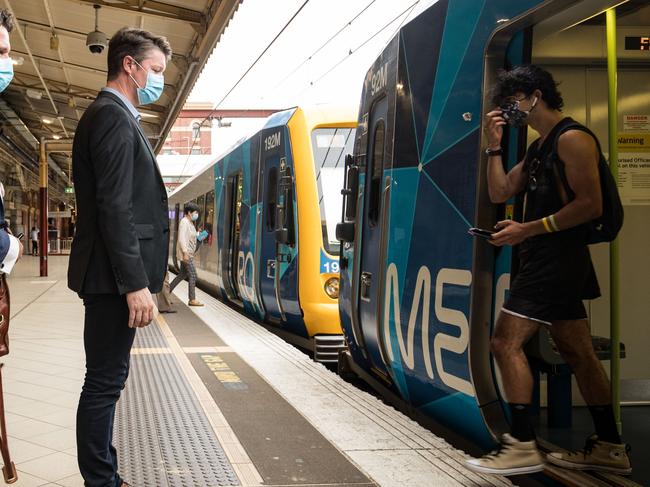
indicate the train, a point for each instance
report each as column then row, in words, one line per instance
column 416, row 295
column 419, row 296
column 270, row 206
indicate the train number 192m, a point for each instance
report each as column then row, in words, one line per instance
column 272, row 141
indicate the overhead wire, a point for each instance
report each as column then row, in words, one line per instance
column 310, row 57
column 352, row 51
column 406, row 11
column 195, row 138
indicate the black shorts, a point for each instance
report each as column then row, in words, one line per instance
column 545, row 313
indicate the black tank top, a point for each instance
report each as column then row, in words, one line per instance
column 553, row 267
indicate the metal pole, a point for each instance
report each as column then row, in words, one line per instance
column 614, row 268
column 43, row 204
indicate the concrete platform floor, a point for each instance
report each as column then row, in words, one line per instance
column 281, row 418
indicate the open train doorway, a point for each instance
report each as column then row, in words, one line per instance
column 572, row 46
column 235, row 260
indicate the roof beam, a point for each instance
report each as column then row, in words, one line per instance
column 61, row 88
column 178, row 59
column 152, row 7
column 36, row 68
column 56, row 62
column 59, row 31
column 57, row 87
column 225, row 113
column 220, row 14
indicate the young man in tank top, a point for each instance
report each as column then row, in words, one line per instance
column 555, row 271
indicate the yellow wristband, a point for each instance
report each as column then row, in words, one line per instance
column 546, row 225
column 551, row 220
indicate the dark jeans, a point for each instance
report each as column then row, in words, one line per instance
column 34, row 247
column 107, row 341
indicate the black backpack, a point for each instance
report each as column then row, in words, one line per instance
column 605, row 228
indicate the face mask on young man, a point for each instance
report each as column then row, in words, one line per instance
column 6, row 72
column 514, row 115
column 152, row 89
column 195, row 216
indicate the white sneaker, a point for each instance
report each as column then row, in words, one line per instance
column 597, row 455
column 513, row 457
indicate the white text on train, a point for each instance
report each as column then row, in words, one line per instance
column 272, row 141
column 442, row 341
column 379, row 80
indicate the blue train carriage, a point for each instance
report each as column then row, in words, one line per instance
column 417, row 292
column 271, row 208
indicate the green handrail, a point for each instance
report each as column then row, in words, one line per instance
column 614, row 268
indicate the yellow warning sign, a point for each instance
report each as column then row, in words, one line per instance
column 633, row 142
column 223, row 372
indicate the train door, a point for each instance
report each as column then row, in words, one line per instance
column 372, row 264
column 235, row 191
column 271, row 180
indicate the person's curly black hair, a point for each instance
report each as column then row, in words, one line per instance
column 526, row 79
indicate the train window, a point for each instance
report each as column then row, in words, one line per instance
column 377, row 171
column 271, row 198
column 330, row 146
column 209, row 211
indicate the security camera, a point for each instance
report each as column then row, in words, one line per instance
column 97, row 41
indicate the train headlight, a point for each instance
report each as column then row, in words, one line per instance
column 332, row 287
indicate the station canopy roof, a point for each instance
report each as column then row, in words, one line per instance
column 57, row 77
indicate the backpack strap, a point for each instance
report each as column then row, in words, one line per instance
column 558, row 165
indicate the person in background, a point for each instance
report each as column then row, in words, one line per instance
column 10, row 247
column 34, row 238
column 185, row 248
column 120, row 249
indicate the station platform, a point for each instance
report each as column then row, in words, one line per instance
column 212, row 399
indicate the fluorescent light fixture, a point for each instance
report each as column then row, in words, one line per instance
column 18, row 61
column 148, row 115
column 56, row 137
column 47, row 120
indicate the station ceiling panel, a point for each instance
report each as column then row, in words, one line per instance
column 57, row 77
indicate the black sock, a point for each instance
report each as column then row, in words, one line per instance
column 522, row 427
column 605, row 423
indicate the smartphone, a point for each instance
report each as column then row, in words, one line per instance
column 479, row 232
column 20, row 236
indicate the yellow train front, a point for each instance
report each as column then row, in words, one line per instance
column 270, row 207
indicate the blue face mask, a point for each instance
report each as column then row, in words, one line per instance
column 152, row 89
column 6, row 72
column 195, row 216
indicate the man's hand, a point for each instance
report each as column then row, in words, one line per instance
column 510, row 233
column 186, row 257
column 142, row 309
column 493, row 127
column 20, row 249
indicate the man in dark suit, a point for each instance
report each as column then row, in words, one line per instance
column 119, row 253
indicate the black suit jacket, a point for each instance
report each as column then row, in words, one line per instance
column 122, row 229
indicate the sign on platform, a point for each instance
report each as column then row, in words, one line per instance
column 69, row 190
